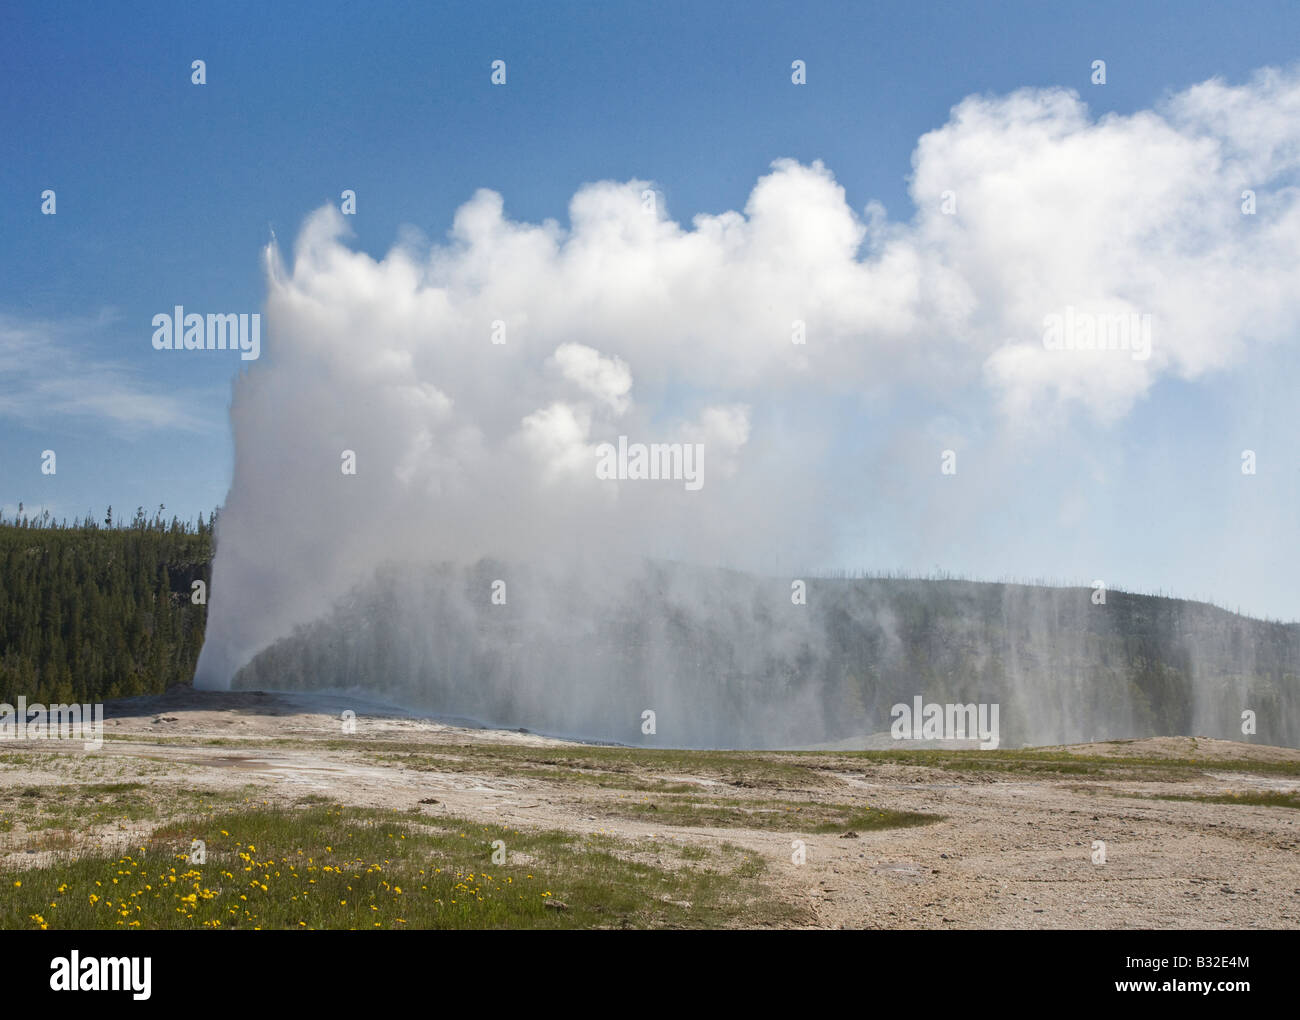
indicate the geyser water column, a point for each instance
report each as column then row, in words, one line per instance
column 452, row 406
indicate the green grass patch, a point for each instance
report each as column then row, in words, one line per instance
column 56, row 817
column 628, row 768
column 1048, row 763
column 74, row 807
column 1272, row 798
column 337, row 867
column 725, row 812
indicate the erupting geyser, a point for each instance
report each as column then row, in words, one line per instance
column 419, row 506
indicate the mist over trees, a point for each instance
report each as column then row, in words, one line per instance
column 99, row 609
column 102, row 609
column 726, row 659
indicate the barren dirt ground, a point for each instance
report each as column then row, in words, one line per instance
column 1014, row 847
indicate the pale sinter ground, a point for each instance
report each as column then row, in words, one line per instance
column 1014, row 848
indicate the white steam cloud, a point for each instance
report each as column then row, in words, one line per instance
column 630, row 324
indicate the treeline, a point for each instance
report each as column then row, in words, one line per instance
column 100, row 609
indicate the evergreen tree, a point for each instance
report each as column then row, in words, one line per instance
column 90, row 612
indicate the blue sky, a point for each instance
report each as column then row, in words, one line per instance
column 167, row 192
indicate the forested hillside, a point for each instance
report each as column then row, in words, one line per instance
column 94, row 610
column 103, row 609
column 726, row 659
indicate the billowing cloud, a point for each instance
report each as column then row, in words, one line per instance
column 475, row 381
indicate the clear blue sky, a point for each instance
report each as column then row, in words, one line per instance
column 166, row 192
